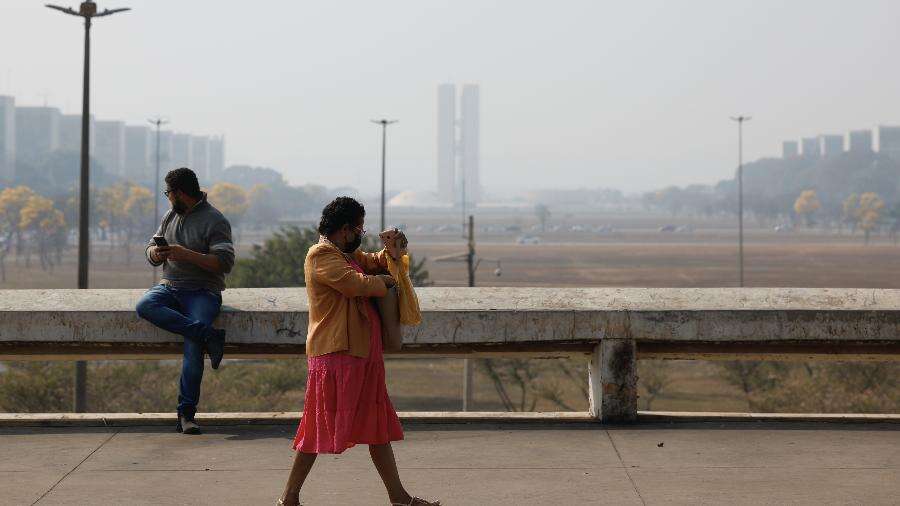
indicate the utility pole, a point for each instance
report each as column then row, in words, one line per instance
column 462, row 191
column 384, row 123
column 468, row 368
column 740, row 174
column 472, row 263
column 88, row 11
column 158, row 122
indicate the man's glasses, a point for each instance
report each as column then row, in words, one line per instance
column 360, row 231
column 167, row 192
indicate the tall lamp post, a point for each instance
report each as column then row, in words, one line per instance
column 740, row 121
column 158, row 122
column 384, row 123
column 88, row 11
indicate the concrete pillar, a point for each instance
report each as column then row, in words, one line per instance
column 612, row 378
column 468, row 374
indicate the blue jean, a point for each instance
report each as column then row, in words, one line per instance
column 190, row 313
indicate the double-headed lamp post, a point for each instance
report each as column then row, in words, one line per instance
column 384, row 123
column 157, row 122
column 740, row 176
column 88, row 11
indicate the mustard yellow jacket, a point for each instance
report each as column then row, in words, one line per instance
column 338, row 320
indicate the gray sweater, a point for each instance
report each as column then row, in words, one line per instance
column 202, row 229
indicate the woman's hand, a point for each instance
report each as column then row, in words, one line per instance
column 395, row 243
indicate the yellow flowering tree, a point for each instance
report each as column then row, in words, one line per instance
column 863, row 211
column 806, row 205
column 42, row 221
column 231, row 200
column 849, row 211
column 110, row 211
column 137, row 218
column 12, row 200
column 870, row 209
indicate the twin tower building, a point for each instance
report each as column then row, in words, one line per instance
column 458, row 146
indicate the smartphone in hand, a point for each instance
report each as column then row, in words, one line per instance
column 160, row 241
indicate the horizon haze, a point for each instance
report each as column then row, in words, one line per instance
column 586, row 94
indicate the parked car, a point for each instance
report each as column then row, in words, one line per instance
column 528, row 239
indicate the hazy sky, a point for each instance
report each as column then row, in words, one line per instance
column 633, row 95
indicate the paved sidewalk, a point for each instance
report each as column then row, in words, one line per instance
column 650, row 463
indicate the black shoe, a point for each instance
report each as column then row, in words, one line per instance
column 215, row 346
column 186, row 426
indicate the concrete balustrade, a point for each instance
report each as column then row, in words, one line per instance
column 615, row 326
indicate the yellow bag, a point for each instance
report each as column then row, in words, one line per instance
column 409, row 303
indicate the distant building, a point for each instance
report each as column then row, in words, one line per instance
column 37, row 133
column 446, row 144
column 859, row 141
column 810, row 147
column 138, row 144
column 470, row 142
column 459, row 145
column 7, row 139
column 182, row 151
column 70, row 133
column 216, row 158
column 110, row 146
column 889, row 141
column 831, row 145
column 200, row 157
column 790, row 149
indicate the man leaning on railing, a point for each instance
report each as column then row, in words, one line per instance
column 193, row 244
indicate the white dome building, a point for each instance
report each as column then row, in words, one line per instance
column 417, row 199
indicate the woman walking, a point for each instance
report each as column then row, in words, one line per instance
column 346, row 399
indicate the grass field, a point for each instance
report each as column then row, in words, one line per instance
column 640, row 258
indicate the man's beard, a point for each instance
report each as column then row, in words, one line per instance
column 179, row 207
column 350, row 247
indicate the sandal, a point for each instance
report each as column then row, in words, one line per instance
column 280, row 501
column 417, row 501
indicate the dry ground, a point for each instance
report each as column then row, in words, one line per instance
column 837, row 264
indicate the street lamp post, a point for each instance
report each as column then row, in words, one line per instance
column 740, row 174
column 88, row 11
column 384, row 123
column 158, row 122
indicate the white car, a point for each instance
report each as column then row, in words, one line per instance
column 528, row 239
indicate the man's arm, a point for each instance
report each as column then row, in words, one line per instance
column 179, row 253
column 221, row 246
column 150, row 250
column 220, row 258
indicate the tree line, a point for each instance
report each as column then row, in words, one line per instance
column 851, row 191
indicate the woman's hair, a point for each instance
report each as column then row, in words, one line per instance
column 341, row 211
column 185, row 181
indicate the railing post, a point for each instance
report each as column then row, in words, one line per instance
column 612, row 378
column 79, row 396
column 468, row 393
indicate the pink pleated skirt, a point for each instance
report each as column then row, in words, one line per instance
column 347, row 401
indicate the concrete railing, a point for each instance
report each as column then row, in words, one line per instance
column 614, row 326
